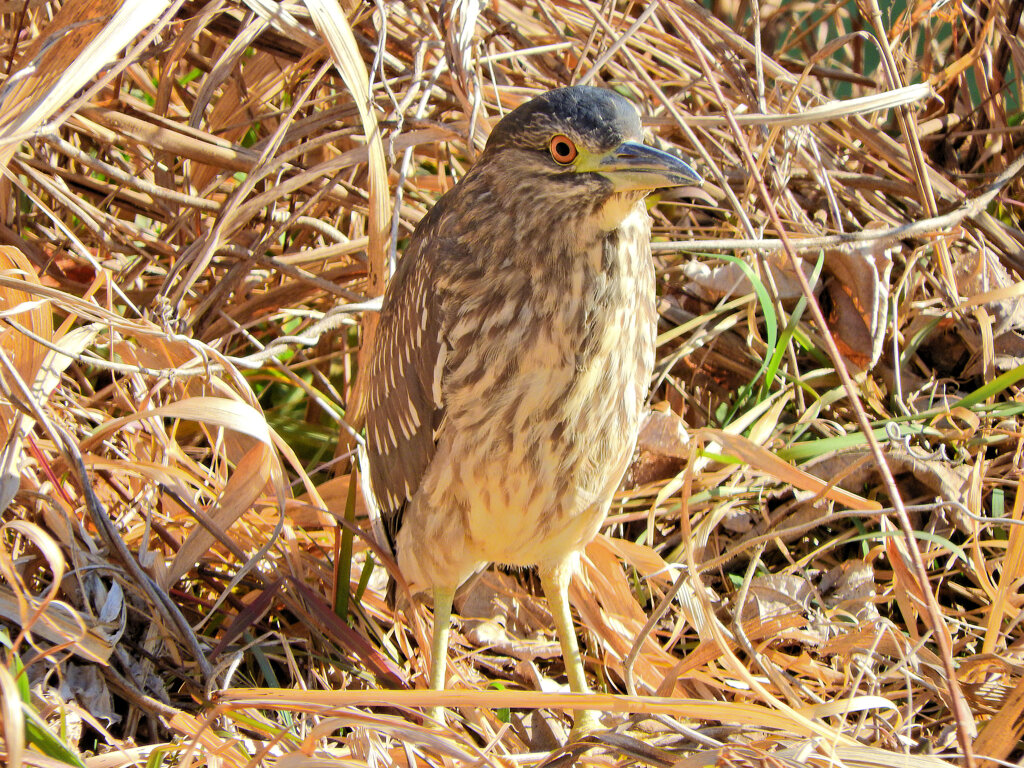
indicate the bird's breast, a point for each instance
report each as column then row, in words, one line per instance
column 546, row 374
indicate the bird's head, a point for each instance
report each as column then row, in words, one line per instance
column 581, row 143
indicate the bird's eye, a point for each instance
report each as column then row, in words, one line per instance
column 562, row 150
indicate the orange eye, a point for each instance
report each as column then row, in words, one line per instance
column 562, row 149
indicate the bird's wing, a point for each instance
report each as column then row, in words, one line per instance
column 404, row 402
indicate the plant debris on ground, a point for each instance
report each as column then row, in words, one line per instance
column 816, row 557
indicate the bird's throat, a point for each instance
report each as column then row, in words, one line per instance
column 616, row 208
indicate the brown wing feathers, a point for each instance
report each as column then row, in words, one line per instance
column 402, row 410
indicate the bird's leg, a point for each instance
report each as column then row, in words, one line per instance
column 443, row 597
column 555, row 582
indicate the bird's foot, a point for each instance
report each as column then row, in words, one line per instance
column 584, row 724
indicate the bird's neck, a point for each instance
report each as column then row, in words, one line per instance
column 540, row 229
column 615, row 209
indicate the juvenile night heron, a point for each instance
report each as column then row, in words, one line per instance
column 514, row 352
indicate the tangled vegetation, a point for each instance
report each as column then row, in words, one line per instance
column 818, row 553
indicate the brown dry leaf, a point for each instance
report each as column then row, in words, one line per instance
column 42, row 613
column 493, row 595
column 250, row 480
column 997, row 299
column 767, row 462
column 866, row 756
column 162, row 136
column 86, row 685
column 646, row 561
column 871, row 636
column 776, row 595
column 857, row 284
column 334, row 494
column 50, row 54
column 730, row 279
column 855, row 468
column 808, row 754
column 46, row 379
column 30, row 312
column 27, row 356
column 661, row 449
column 706, row 652
column 945, row 480
column 663, row 433
column 259, row 81
column 850, row 587
column 227, row 751
column 213, row 411
column 492, row 635
column 609, row 609
column 1006, row 601
column 983, row 280
column 905, row 580
column 498, row 615
column 489, row 634
column 731, row 712
column 176, row 355
column 57, row 625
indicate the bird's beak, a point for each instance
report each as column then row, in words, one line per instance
column 633, row 165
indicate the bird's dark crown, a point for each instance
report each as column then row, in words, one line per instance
column 600, row 119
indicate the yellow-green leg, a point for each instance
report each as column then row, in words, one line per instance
column 443, row 597
column 555, row 583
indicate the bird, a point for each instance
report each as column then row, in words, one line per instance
column 513, row 354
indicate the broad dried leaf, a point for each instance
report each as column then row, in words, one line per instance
column 249, row 481
column 857, row 283
column 776, row 595
column 47, row 377
column 767, row 462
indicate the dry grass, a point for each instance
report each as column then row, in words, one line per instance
column 199, row 200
